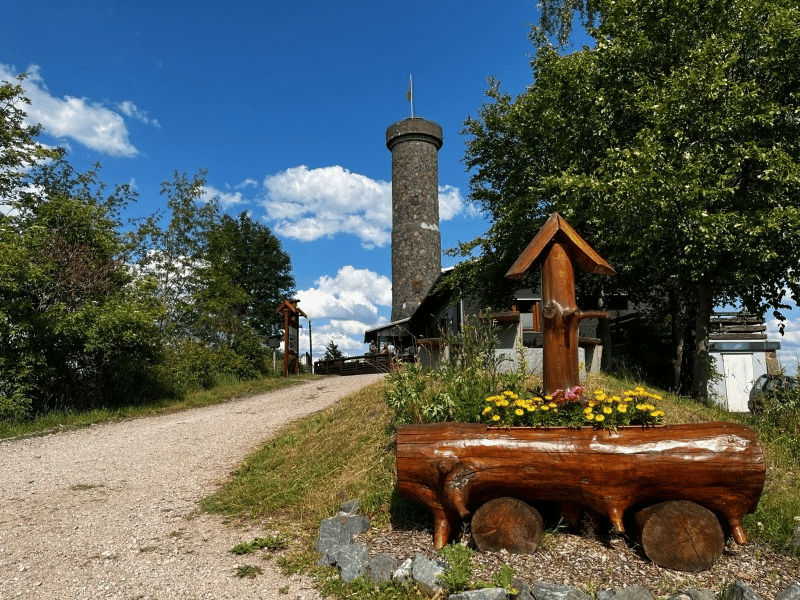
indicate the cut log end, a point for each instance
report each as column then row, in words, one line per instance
column 680, row 535
column 507, row 524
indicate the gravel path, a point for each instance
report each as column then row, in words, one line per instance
column 110, row 511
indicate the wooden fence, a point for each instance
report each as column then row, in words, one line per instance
column 358, row 365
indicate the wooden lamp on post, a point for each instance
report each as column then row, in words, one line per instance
column 559, row 247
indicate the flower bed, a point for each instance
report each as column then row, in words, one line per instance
column 571, row 408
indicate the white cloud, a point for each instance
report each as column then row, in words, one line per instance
column 226, row 199
column 307, row 204
column 341, row 308
column 89, row 123
column 131, row 110
column 353, row 294
column 246, row 183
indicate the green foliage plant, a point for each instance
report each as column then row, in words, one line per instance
column 456, row 578
column 270, row 542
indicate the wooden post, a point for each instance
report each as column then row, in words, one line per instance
column 559, row 247
column 291, row 323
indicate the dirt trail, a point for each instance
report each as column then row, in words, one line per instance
column 102, row 512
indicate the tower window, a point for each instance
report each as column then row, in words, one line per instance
column 416, row 286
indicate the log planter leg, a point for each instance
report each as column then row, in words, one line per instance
column 680, row 535
column 507, row 523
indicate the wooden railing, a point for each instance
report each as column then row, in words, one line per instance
column 359, row 365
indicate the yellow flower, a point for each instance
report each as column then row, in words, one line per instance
column 599, row 418
column 488, row 409
column 503, row 402
column 622, row 408
column 552, row 405
column 592, row 404
column 657, row 413
column 496, row 418
column 531, row 407
column 545, row 407
column 588, row 410
column 640, row 406
column 548, row 398
column 590, row 416
column 616, row 398
column 519, row 412
column 608, row 410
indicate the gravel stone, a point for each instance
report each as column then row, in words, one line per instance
column 110, row 511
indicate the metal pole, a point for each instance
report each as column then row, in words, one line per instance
column 310, row 348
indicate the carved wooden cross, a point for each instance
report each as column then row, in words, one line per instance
column 560, row 247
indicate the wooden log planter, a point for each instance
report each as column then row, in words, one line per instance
column 679, row 484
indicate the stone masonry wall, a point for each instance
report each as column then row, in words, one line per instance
column 416, row 241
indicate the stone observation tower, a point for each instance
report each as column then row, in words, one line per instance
column 416, row 241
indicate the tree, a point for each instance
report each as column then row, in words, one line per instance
column 254, row 260
column 76, row 327
column 19, row 149
column 173, row 255
column 673, row 146
column 332, row 352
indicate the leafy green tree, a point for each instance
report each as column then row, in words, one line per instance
column 173, row 255
column 332, row 352
column 76, row 327
column 253, row 259
column 19, row 149
column 673, row 146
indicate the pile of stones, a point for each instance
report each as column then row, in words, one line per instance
column 335, row 544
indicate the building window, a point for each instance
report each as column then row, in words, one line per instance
column 416, row 286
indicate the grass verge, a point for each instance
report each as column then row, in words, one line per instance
column 346, row 451
column 224, row 392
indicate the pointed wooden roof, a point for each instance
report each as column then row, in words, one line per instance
column 556, row 228
column 291, row 306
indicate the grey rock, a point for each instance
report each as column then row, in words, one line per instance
column 381, row 567
column 692, row 594
column 790, row 593
column 483, row 594
column 426, row 573
column 403, row 572
column 739, row 590
column 519, row 584
column 353, row 561
column 339, row 531
column 350, row 507
column 526, row 595
column 634, row 592
column 548, row 591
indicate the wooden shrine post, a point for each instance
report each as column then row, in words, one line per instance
column 560, row 247
column 291, row 334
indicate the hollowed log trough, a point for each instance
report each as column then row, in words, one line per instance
column 455, row 468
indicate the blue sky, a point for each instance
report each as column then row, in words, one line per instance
column 286, row 105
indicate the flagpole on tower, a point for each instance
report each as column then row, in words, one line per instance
column 410, row 94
